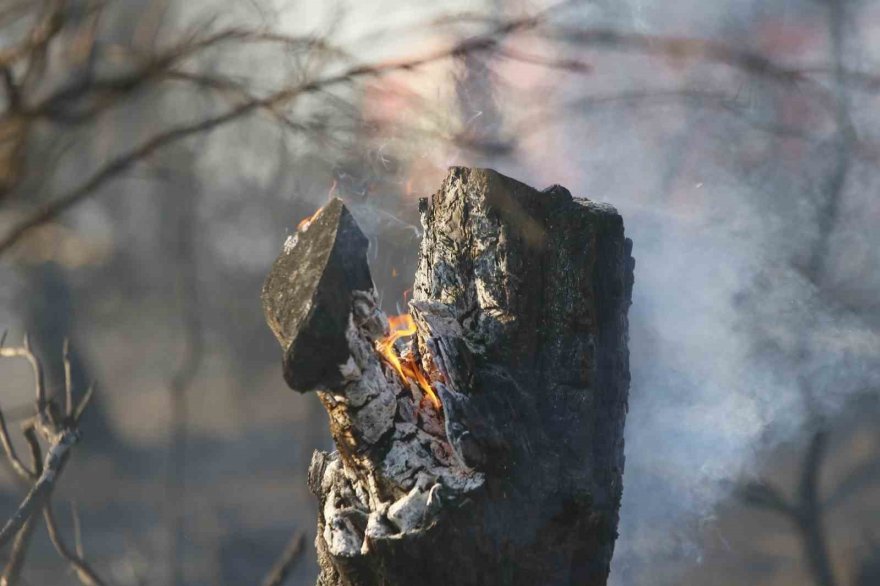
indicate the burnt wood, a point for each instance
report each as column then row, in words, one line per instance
column 307, row 296
column 520, row 304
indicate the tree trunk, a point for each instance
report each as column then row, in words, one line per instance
column 486, row 447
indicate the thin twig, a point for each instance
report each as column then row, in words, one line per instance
column 288, row 560
column 811, row 514
column 84, row 571
column 39, row 37
column 20, row 468
column 60, row 434
column 765, row 496
column 30, row 435
column 83, row 403
column 683, row 48
column 283, row 96
column 12, row 571
column 36, row 499
column 25, row 352
column 68, row 379
column 77, row 530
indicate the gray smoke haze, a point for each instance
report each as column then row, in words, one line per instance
column 721, row 176
column 726, row 326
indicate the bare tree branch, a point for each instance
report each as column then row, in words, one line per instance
column 684, row 48
column 288, row 560
column 765, row 496
column 12, row 571
column 56, row 459
column 68, row 380
column 45, row 29
column 83, row 570
column 25, row 352
column 23, row 471
column 276, row 99
column 60, row 434
column 805, row 513
column 811, row 513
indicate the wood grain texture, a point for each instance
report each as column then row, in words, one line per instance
column 520, row 302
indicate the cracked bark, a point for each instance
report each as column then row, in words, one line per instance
column 520, row 307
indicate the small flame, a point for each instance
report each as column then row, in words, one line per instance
column 303, row 224
column 408, row 369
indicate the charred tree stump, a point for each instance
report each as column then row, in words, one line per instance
column 480, row 438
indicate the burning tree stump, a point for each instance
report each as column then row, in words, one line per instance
column 480, row 438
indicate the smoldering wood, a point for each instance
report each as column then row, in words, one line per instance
column 520, row 310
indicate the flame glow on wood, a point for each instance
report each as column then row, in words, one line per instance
column 305, row 221
column 408, row 369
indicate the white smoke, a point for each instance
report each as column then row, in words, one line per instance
column 724, row 328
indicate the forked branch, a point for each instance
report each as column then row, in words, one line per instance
column 56, row 427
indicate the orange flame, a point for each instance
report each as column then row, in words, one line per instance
column 408, row 369
column 305, row 221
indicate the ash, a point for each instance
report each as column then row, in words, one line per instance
column 394, row 467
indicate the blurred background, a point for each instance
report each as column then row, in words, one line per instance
column 154, row 154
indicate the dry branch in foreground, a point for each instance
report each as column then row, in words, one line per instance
column 288, row 560
column 58, row 428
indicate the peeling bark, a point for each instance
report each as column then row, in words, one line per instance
column 520, row 309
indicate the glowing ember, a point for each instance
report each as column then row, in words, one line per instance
column 408, row 369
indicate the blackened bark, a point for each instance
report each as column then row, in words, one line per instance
column 520, row 304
